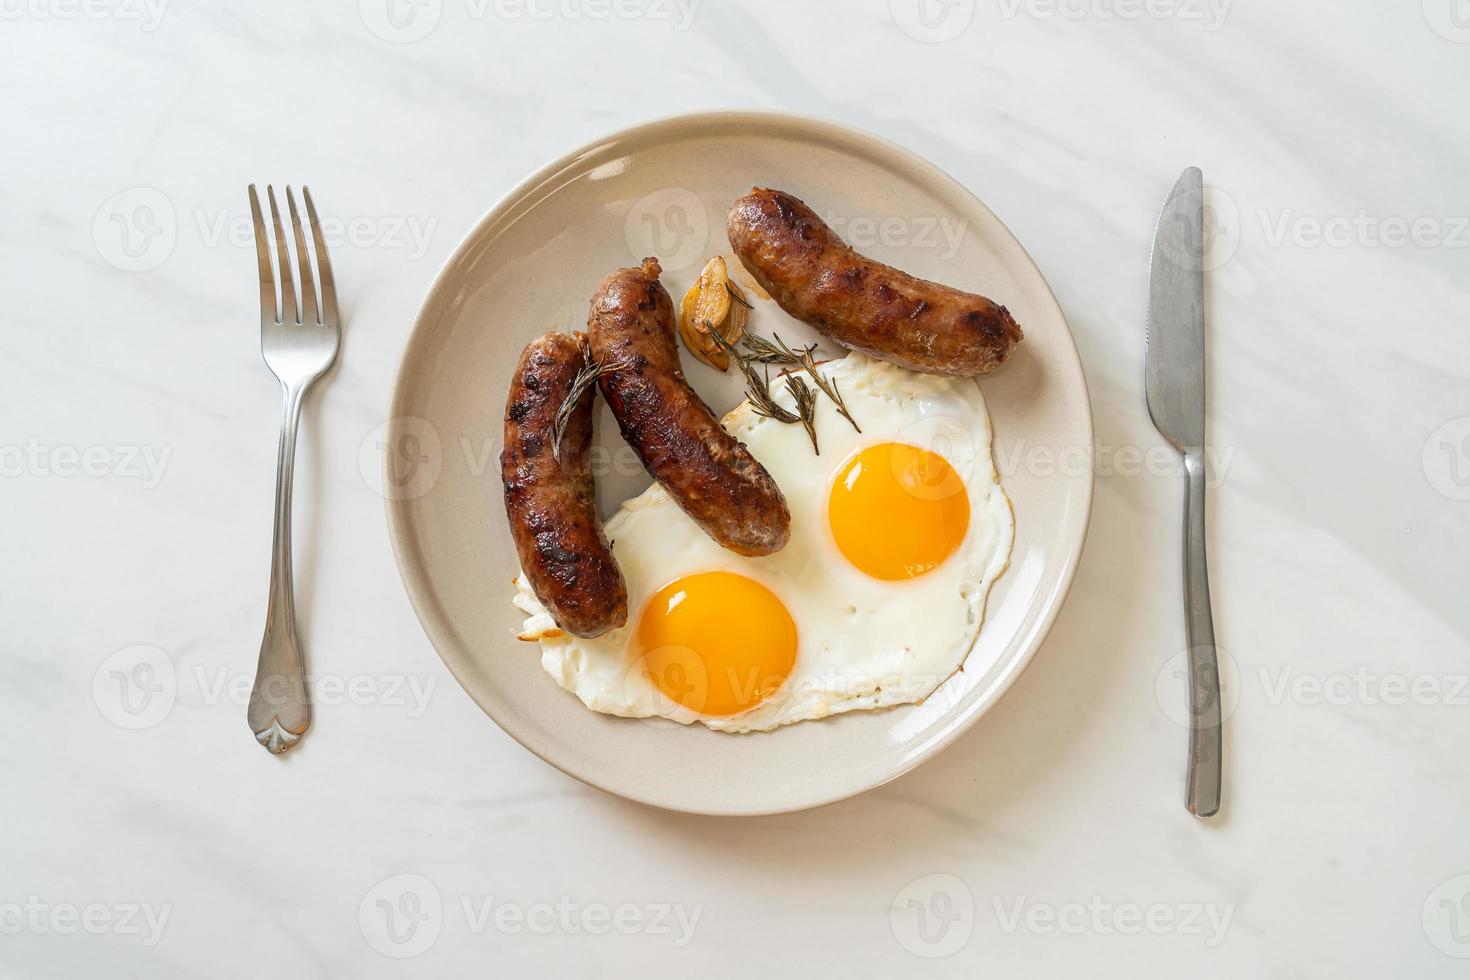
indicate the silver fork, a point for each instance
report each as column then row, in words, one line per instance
column 298, row 349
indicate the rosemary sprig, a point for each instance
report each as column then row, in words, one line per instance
column 763, row 351
column 776, row 351
column 736, row 296
column 762, row 403
column 829, row 388
column 758, row 390
column 806, row 407
column 587, row 375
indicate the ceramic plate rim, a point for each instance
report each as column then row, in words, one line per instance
column 399, row 525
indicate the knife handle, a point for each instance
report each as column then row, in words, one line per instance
column 1204, row 670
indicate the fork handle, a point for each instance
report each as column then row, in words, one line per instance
column 1204, row 672
column 280, row 707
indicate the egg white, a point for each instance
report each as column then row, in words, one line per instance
column 862, row 643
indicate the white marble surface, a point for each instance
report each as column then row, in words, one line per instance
column 138, row 431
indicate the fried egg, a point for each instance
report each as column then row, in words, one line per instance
column 897, row 533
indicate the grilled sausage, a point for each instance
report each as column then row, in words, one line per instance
column 550, row 497
column 707, row 471
column 819, row 279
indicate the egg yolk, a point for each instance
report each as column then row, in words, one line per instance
column 716, row 642
column 897, row 511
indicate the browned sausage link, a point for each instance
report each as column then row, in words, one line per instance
column 707, row 471
column 550, row 498
column 819, row 279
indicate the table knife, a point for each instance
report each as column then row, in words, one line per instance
column 1174, row 382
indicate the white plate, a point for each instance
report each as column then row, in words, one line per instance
column 531, row 265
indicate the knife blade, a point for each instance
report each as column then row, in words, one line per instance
column 1174, row 387
column 1174, row 332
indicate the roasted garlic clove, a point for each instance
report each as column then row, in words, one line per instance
column 713, row 303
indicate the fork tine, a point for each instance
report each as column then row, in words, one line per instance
column 323, row 261
column 303, row 261
column 283, row 262
column 263, row 261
